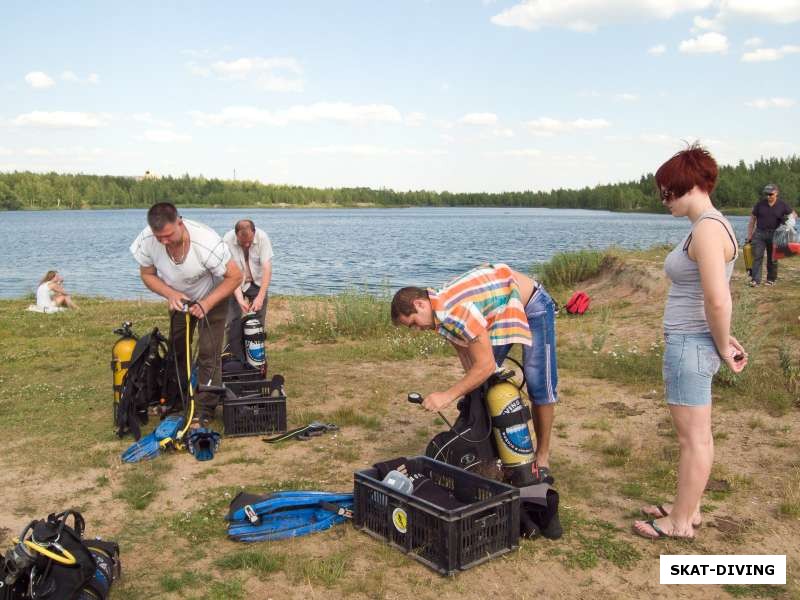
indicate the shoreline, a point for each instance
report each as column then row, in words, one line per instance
column 730, row 211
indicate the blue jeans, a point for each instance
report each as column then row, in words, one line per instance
column 539, row 359
column 690, row 363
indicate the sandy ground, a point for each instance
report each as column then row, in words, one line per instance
column 743, row 522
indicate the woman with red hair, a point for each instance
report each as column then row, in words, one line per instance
column 697, row 339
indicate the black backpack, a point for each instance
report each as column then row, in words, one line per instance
column 91, row 565
column 143, row 384
column 469, row 444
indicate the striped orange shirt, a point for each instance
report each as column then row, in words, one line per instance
column 486, row 298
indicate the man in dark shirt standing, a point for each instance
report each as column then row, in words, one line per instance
column 767, row 215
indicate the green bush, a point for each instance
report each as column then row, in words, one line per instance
column 568, row 268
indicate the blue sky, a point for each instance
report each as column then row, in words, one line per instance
column 459, row 95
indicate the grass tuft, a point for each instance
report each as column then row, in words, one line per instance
column 568, row 268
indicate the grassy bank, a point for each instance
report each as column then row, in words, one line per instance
column 614, row 446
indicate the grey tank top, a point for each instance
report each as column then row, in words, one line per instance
column 685, row 312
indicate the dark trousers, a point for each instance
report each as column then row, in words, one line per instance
column 233, row 327
column 209, row 367
column 762, row 241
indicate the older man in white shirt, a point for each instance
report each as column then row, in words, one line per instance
column 251, row 249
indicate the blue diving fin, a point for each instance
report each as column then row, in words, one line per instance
column 169, row 427
column 148, row 447
column 145, row 449
column 286, row 514
column 203, row 443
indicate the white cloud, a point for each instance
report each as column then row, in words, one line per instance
column 753, row 42
column 415, row 119
column 774, row 11
column 769, row 54
column 343, row 112
column 61, row 120
column 503, row 132
column 149, row 119
column 272, row 74
column 517, row 153
column 657, row 50
column 588, row 15
column 196, row 69
column 39, row 80
column 627, row 97
column 5, row 151
column 703, row 24
column 367, row 150
column 72, row 77
column 546, row 126
column 479, row 119
column 164, row 136
column 707, row 43
column 763, row 103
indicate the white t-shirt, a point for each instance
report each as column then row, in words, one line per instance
column 44, row 296
column 201, row 271
column 259, row 255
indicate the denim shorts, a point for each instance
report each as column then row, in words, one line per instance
column 690, row 363
column 539, row 359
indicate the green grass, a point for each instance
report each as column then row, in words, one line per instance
column 590, row 542
column 261, row 562
column 141, row 484
column 176, row 582
column 565, row 269
column 789, row 506
column 326, row 571
column 754, row 591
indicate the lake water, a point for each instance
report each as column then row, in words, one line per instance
column 323, row 251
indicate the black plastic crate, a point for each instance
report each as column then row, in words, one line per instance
column 243, row 375
column 446, row 540
column 250, row 388
column 254, row 415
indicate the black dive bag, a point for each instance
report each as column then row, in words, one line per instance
column 469, row 443
column 142, row 384
column 28, row 573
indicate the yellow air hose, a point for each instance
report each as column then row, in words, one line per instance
column 189, row 379
column 65, row 558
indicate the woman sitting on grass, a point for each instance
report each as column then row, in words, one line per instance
column 51, row 295
column 697, row 322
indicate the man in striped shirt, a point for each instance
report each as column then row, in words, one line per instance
column 482, row 314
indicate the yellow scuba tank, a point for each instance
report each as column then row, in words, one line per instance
column 747, row 255
column 121, row 354
column 511, row 426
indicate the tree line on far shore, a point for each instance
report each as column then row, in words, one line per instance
column 738, row 186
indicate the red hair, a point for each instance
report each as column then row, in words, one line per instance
column 688, row 168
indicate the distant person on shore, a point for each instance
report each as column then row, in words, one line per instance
column 768, row 214
column 697, row 339
column 482, row 314
column 50, row 294
column 184, row 261
column 251, row 249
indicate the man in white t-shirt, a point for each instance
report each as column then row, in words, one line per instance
column 185, row 261
column 252, row 252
